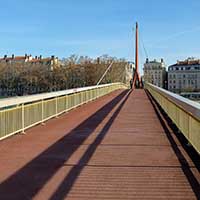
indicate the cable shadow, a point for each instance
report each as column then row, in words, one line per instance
column 70, row 179
column 30, row 179
column 164, row 120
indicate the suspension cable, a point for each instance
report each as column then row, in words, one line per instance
column 105, row 73
column 142, row 41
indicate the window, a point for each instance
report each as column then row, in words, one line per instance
column 196, row 84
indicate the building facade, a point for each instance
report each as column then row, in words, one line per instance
column 16, row 59
column 130, row 68
column 184, row 76
column 52, row 61
column 155, row 73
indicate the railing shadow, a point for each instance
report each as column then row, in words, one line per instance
column 30, row 179
column 165, row 122
column 70, row 179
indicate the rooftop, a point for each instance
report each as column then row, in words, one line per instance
column 29, row 58
column 155, row 61
column 189, row 61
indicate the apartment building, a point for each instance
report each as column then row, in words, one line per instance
column 155, row 73
column 16, row 59
column 184, row 76
column 50, row 61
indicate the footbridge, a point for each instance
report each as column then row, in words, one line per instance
column 100, row 142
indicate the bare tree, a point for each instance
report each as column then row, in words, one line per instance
column 27, row 78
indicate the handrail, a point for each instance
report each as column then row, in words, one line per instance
column 20, row 113
column 191, row 107
column 12, row 101
column 184, row 113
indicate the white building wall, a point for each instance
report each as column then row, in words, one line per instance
column 183, row 79
column 155, row 73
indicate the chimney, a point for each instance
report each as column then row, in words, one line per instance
column 5, row 56
column 147, row 60
column 13, row 56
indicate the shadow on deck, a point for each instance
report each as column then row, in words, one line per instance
column 29, row 180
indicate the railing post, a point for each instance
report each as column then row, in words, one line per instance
column 66, row 103
column 23, row 120
column 43, row 112
column 56, row 107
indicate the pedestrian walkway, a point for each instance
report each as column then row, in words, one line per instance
column 112, row 148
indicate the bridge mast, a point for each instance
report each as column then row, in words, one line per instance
column 136, row 78
column 136, row 48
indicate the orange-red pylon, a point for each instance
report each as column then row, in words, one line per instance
column 136, row 77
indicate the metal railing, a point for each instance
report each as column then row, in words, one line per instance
column 19, row 113
column 184, row 113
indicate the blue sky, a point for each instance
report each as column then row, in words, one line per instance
column 169, row 28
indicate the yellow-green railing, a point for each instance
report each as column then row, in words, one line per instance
column 183, row 112
column 20, row 113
